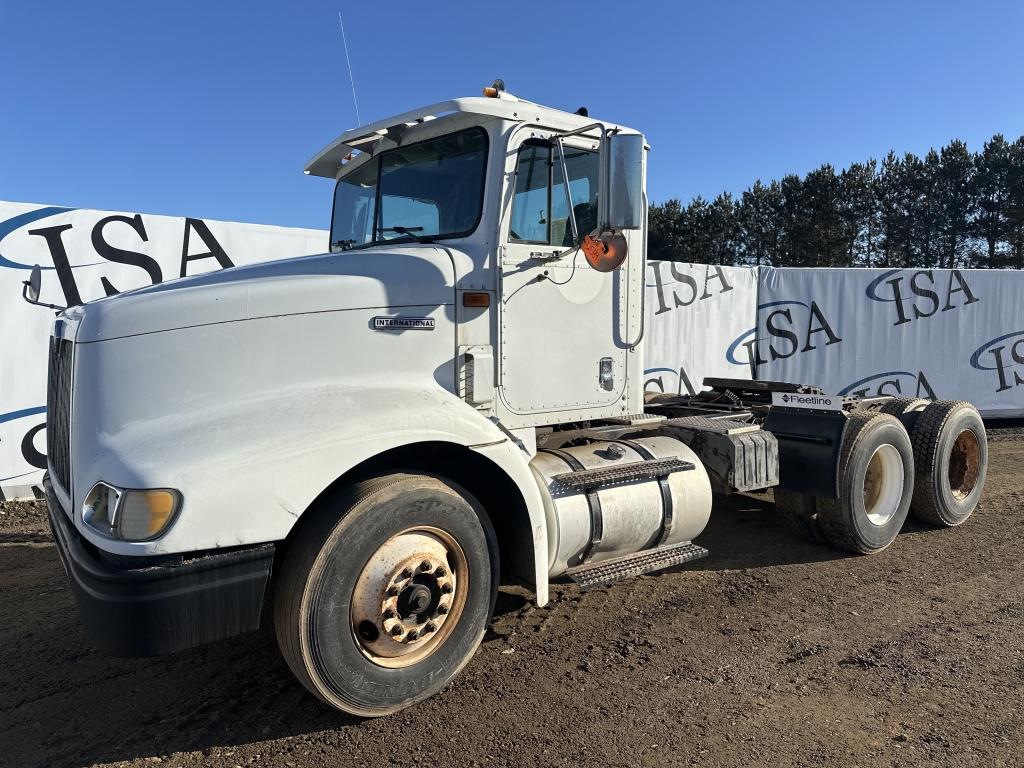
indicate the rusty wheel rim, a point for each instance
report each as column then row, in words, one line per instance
column 409, row 597
column 964, row 464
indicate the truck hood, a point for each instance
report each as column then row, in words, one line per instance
column 367, row 279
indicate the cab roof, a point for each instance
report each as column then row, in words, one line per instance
column 504, row 106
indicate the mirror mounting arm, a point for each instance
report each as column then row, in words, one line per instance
column 576, row 240
column 36, row 303
column 30, row 290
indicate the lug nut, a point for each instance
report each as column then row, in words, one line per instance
column 390, row 613
column 425, row 565
column 393, row 591
column 446, row 588
column 396, row 630
column 442, row 609
column 431, row 627
column 407, row 573
column 414, row 635
column 440, row 572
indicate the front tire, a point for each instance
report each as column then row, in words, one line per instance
column 386, row 592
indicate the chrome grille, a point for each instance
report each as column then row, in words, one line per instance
column 58, row 411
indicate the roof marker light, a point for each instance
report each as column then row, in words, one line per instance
column 495, row 89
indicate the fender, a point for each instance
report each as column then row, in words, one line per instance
column 280, row 451
column 514, row 462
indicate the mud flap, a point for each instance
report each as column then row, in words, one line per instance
column 809, row 446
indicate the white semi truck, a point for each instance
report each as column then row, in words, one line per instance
column 365, row 443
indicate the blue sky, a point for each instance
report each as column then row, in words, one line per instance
column 211, row 109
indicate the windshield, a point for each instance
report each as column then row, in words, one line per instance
column 424, row 191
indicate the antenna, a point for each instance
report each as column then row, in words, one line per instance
column 348, row 61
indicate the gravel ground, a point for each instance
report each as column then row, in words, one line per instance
column 769, row 652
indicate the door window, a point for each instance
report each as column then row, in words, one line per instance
column 540, row 206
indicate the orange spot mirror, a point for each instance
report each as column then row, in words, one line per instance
column 606, row 252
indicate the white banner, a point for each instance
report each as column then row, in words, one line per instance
column 934, row 333
column 85, row 255
column 700, row 322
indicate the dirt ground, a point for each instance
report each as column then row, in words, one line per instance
column 769, row 652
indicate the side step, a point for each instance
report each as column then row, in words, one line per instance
column 608, row 571
column 589, row 479
column 634, row 419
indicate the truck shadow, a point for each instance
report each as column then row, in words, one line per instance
column 65, row 704
column 746, row 532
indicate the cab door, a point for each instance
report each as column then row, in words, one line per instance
column 561, row 320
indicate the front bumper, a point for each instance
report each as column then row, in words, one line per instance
column 148, row 609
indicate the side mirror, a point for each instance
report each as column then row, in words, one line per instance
column 32, row 285
column 625, row 181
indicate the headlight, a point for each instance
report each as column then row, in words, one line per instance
column 100, row 508
column 130, row 515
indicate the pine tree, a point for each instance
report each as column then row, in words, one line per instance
column 665, row 231
column 858, row 213
column 958, row 204
column 1015, row 201
column 991, row 225
column 758, row 221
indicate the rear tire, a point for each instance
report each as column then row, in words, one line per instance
column 875, row 483
column 385, row 592
column 951, row 459
column 798, row 513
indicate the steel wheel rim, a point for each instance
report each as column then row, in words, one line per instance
column 409, row 596
column 883, row 484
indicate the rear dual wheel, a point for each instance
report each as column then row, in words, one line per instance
column 951, row 456
column 875, row 483
column 386, row 592
column 937, row 471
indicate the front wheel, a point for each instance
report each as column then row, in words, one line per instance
column 386, row 592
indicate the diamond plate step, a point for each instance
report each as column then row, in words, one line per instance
column 589, row 479
column 635, row 419
column 628, row 566
column 718, row 426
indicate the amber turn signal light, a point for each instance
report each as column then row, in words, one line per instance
column 476, row 299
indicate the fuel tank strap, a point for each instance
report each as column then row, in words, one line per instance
column 663, row 487
column 593, row 503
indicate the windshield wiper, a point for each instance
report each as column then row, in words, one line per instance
column 410, row 232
